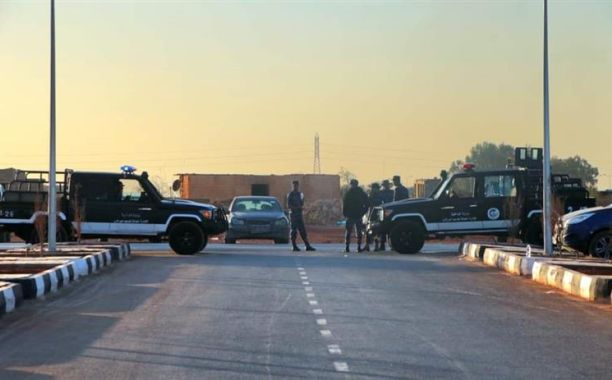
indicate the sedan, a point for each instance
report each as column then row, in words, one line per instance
column 588, row 231
column 257, row 217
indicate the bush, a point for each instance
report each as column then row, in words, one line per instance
column 323, row 212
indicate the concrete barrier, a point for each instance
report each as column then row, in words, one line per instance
column 563, row 276
column 11, row 296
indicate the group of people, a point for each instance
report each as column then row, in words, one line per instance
column 355, row 204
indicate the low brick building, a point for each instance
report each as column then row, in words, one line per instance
column 220, row 189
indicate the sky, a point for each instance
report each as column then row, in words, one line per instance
column 392, row 87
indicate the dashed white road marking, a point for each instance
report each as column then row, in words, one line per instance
column 317, row 311
column 304, row 277
column 334, row 349
column 310, row 295
column 302, row 273
column 313, row 302
column 326, row 333
column 305, row 283
column 308, row 288
column 300, row 268
column 341, row 366
column 322, row 322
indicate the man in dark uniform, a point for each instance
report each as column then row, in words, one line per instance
column 295, row 205
column 386, row 195
column 354, row 206
column 401, row 192
column 375, row 199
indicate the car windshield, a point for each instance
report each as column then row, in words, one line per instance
column 256, row 205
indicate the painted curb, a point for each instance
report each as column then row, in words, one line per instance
column 51, row 280
column 473, row 251
column 511, row 262
column 589, row 287
column 11, row 296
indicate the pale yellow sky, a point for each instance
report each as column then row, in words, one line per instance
column 242, row 87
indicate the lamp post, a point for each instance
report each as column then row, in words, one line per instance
column 547, row 206
column 52, row 198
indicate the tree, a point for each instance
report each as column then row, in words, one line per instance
column 576, row 167
column 345, row 178
column 486, row 156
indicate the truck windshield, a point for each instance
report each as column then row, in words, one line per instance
column 440, row 190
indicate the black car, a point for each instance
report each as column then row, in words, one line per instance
column 588, row 231
column 257, row 217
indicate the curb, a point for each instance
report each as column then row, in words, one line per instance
column 51, row 280
column 474, row 251
column 589, row 287
column 511, row 262
column 11, row 296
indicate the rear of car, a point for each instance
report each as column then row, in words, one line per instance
column 257, row 217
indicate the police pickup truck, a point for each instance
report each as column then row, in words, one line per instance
column 505, row 202
column 107, row 205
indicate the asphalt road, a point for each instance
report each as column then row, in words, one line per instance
column 261, row 312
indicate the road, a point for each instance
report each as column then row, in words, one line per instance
column 261, row 312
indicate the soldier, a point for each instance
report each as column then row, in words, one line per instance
column 387, row 195
column 354, row 206
column 401, row 192
column 375, row 199
column 295, row 205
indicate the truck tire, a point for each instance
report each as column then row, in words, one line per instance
column 186, row 238
column 407, row 237
column 601, row 245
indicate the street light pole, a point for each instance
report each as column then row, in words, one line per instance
column 52, row 198
column 547, row 206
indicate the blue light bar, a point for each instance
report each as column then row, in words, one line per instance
column 128, row 169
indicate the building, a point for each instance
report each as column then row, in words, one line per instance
column 424, row 187
column 220, row 189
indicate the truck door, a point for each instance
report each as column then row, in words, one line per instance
column 458, row 206
column 90, row 196
column 500, row 205
column 133, row 209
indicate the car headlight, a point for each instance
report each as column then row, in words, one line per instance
column 388, row 213
column 207, row 214
column 281, row 222
column 580, row 218
column 237, row 222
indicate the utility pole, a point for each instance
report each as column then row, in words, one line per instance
column 547, row 206
column 316, row 167
column 52, row 198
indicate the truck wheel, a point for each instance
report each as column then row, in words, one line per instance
column 601, row 245
column 407, row 237
column 186, row 238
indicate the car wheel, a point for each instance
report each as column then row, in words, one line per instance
column 407, row 237
column 601, row 245
column 281, row 241
column 230, row 241
column 186, row 238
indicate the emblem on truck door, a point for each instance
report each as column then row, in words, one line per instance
column 493, row 213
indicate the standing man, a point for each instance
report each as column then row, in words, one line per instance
column 375, row 199
column 387, row 195
column 401, row 192
column 354, row 206
column 295, row 205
